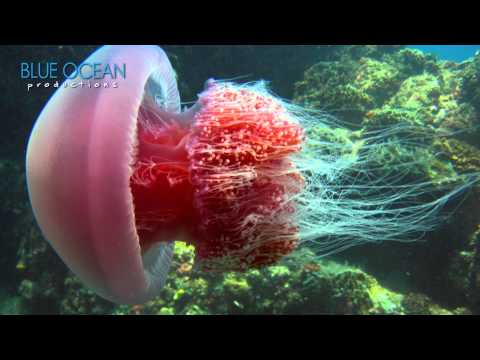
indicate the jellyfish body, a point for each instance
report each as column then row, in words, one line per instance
column 115, row 176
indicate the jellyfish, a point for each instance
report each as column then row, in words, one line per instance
column 117, row 175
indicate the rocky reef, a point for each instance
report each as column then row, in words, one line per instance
column 377, row 88
column 367, row 86
column 300, row 284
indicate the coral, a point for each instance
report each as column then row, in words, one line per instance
column 235, row 285
column 329, row 86
column 470, row 84
column 300, row 284
column 403, row 86
column 464, row 157
column 460, row 269
column 410, row 62
column 384, row 300
column 77, row 299
column 355, row 292
column 418, row 304
column 377, row 79
column 42, row 271
column 418, row 95
column 463, row 273
column 424, row 100
column 370, row 51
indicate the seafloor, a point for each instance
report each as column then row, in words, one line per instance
column 365, row 85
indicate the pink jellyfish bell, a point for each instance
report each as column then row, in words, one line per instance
column 79, row 164
column 115, row 175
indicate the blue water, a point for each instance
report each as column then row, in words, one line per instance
column 449, row 52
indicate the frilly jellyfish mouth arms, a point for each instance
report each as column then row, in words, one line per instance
column 79, row 160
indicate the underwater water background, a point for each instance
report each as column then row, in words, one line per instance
column 361, row 84
column 449, row 52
